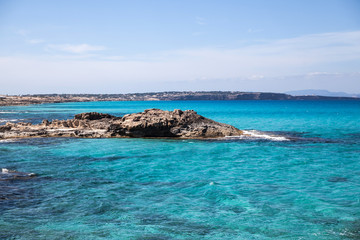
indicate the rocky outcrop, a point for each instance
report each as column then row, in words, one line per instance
column 6, row 174
column 92, row 116
column 150, row 123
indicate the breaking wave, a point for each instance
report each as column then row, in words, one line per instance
column 10, row 120
column 7, row 140
column 280, row 136
column 264, row 135
column 259, row 135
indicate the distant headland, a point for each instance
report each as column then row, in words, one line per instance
column 13, row 100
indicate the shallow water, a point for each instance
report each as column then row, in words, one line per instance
column 298, row 178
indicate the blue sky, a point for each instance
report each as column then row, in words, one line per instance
column 141, row 46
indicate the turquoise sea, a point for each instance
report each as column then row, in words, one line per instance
column 296, row 177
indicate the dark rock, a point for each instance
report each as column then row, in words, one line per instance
column 337, row 179
column 6, row 174
column 150, row 123
column 45, row 122
column 177, row 123
column 5, row 128
column 92, row 116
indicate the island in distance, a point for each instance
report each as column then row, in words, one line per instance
column 11, row 100
column 152, row 123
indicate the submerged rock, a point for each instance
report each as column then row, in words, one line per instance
column 337, row 179
column 6, row 174
column 150, row 123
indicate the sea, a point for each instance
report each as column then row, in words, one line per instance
column 294, row 175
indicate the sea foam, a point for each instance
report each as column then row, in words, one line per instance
column 10, row 120
column 256, row 135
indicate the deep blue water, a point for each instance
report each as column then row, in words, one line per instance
column 253, row 188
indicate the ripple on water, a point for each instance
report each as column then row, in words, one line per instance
column 254, row 188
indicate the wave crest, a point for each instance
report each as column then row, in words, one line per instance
column 259, row 135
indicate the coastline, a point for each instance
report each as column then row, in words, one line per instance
column 23, row 100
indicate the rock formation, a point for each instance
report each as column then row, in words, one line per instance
column 6, row 174
column 150, row 123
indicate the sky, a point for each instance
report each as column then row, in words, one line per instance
column 128, row 46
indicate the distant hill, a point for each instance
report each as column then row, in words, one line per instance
column 320, row 92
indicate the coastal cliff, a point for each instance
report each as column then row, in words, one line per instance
column 151, row 123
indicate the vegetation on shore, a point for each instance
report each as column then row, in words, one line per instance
column 12, row 100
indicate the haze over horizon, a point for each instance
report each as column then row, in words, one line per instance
column 142, row 46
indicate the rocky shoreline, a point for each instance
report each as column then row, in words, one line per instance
column 152, row 123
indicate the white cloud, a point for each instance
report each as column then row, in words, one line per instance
column 35, row 41
column 310, row 53
column 22, row 32
column 311, row 61
column 78, row 49
column 26, row 36
column 251, row 30
column 81, row 76
column 197, row 33
column 114, row 58
column 200, row 21
column 255, row 77
column 319, row 73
